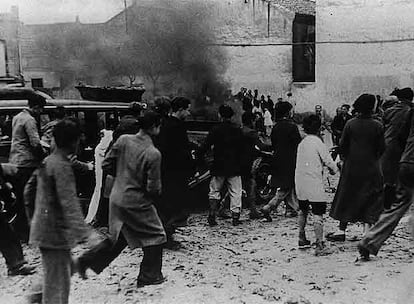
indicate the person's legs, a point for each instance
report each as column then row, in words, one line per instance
column 389, row 219
column 234, row 187
column 292, row 204
column 102, row 214
column 249, row 185
column 100, row 256
column 318, row 210
column 151, row 265
column 216, row 183
column 389, row 195
column 57, row 273
column 21, row 223
column 279, row 197
column 11, row 250
column 302, row 219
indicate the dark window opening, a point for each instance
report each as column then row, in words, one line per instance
column 304, row 52
column 37, row 82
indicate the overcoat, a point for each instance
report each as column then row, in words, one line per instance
column 285, row 140
column 177, row 166
column 58, row 220
column 135, row 163
column 360, row 184
column 394, row 120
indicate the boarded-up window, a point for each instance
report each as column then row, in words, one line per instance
column 304, row 52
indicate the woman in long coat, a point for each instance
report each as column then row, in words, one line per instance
column 133, row 219
column 360, row 184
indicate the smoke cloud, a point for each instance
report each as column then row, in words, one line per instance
column 167, row 44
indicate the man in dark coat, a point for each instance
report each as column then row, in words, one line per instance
column 394, row 118
column 227, row 142
column 177, row 167
column 389, row 219
column 285, row 140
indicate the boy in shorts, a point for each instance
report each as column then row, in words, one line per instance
column 312, row 156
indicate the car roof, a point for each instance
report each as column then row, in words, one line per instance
column 66, row 103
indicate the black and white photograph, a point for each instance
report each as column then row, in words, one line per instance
column 206, row 151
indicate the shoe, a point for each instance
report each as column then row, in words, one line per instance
column 142, row 283
column 80, row 268
column 335, row 237
column 212, row 221
column 22, row 270
column 363, row 253
column 236, row 219
column 321, row 250
column 173, row 245
column 267, row 217
column 304, row 244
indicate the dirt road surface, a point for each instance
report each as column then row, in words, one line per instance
column 256, row 262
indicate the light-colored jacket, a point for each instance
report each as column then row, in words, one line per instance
column 58, row 220
column 312, row 156
column 136, row 165
column 25, row 150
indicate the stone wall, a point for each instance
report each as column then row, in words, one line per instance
column 382, row 62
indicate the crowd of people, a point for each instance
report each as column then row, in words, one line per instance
column 144, row 165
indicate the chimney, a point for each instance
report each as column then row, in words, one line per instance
column 77, row 20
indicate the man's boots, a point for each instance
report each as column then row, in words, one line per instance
column 236, row 218
column 223, row 212
column 213, row 212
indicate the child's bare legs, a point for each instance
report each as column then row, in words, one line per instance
column 302, row 220
column 318, row 228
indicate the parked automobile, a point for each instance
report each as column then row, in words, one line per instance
column 93, row 117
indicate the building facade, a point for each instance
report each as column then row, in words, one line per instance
column 256, row 35
column 364, row 46
column 10, row 28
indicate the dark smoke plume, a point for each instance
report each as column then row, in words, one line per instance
column 166, row 43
